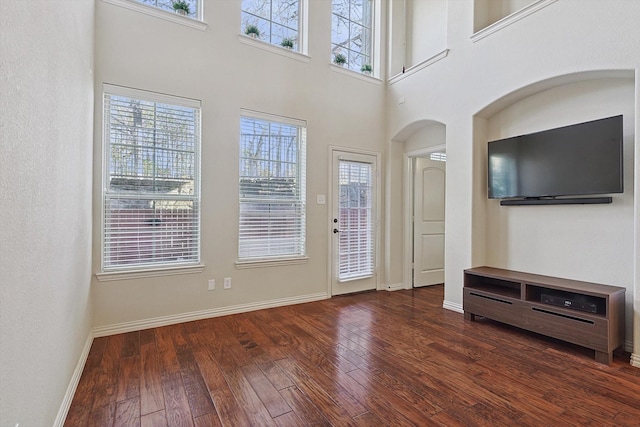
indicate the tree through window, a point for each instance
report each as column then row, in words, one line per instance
column 152, row 180
column 273, row 21
column 272, row 189
column 351, row 33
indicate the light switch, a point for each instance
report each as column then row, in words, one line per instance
column 320, row 199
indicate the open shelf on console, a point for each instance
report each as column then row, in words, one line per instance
column 502, row 287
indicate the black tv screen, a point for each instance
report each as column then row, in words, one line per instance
column 580, row 159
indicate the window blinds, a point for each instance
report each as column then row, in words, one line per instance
column 356, row 244
column 272, row 190
column 151, row 189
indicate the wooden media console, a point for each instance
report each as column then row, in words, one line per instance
column 587, row 314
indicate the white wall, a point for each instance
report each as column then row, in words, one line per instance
column 144, row 52
column 426, row 30
column 562, row 44
column 46, row 102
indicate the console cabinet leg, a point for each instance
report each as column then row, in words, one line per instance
column 604, row 357
column 469, row 316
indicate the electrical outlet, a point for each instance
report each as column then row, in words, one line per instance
column 212, row 284
column 227, row 282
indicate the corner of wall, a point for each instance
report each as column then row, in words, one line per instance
column 73, row 384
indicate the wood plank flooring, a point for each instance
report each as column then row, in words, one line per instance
column 370, row 359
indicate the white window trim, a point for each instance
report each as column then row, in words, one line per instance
column 284, row 260
column 272, row 48
column 355, row 74
column 273, row 118
column 135, row 272
column 167, row 15
column 271, row 262
column 111, row 276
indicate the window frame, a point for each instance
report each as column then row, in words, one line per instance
column 135, row 270
column 373, row 40
column 301, row 45
column 299, row 257
column 197, row 22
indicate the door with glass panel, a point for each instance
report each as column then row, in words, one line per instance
column 354, row 223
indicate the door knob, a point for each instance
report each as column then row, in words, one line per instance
column 335, row 230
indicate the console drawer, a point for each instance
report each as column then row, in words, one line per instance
column 492, row 306
column 568, row 325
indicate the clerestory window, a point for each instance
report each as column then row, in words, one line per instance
column 190, row 8
column 352, row 34
column 276, row 22
column 151, row 187
column 272, row 187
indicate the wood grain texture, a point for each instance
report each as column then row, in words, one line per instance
column 379, row 358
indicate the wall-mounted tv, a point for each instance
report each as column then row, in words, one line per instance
column 542, row 167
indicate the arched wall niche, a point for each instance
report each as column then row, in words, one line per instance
column 584, row 242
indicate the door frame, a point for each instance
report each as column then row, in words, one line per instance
column 330, row 225
column 407, row 252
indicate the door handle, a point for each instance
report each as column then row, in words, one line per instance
column 335, row 230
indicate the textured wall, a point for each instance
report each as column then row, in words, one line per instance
column 46, row 103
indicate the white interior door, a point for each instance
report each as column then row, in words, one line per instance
column 428, row 222
column 353, row 223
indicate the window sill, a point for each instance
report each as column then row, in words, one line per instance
column 288, row 53
column 271, row 262
column 111, row 276
column 341, row 70
column 160, row 13
column 510, row 19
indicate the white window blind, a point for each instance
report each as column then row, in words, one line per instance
column 357, row 226
column 272, row 189
column 351, row 32
column 276, row 20
column 152, row 183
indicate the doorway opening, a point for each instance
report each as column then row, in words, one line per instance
column 425, row 203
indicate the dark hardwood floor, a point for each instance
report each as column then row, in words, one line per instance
column 371, row 359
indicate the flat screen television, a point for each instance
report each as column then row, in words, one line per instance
column 576, row 160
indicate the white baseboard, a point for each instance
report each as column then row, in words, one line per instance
column 635, row 360
column 452, row 306
column 394, row 287
column 73, row 384
column 155, row 322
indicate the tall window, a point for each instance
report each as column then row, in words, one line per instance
column 351, row 34
column 272, row 188
column 151, row 180
column 274, row 21
column 190, row 7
